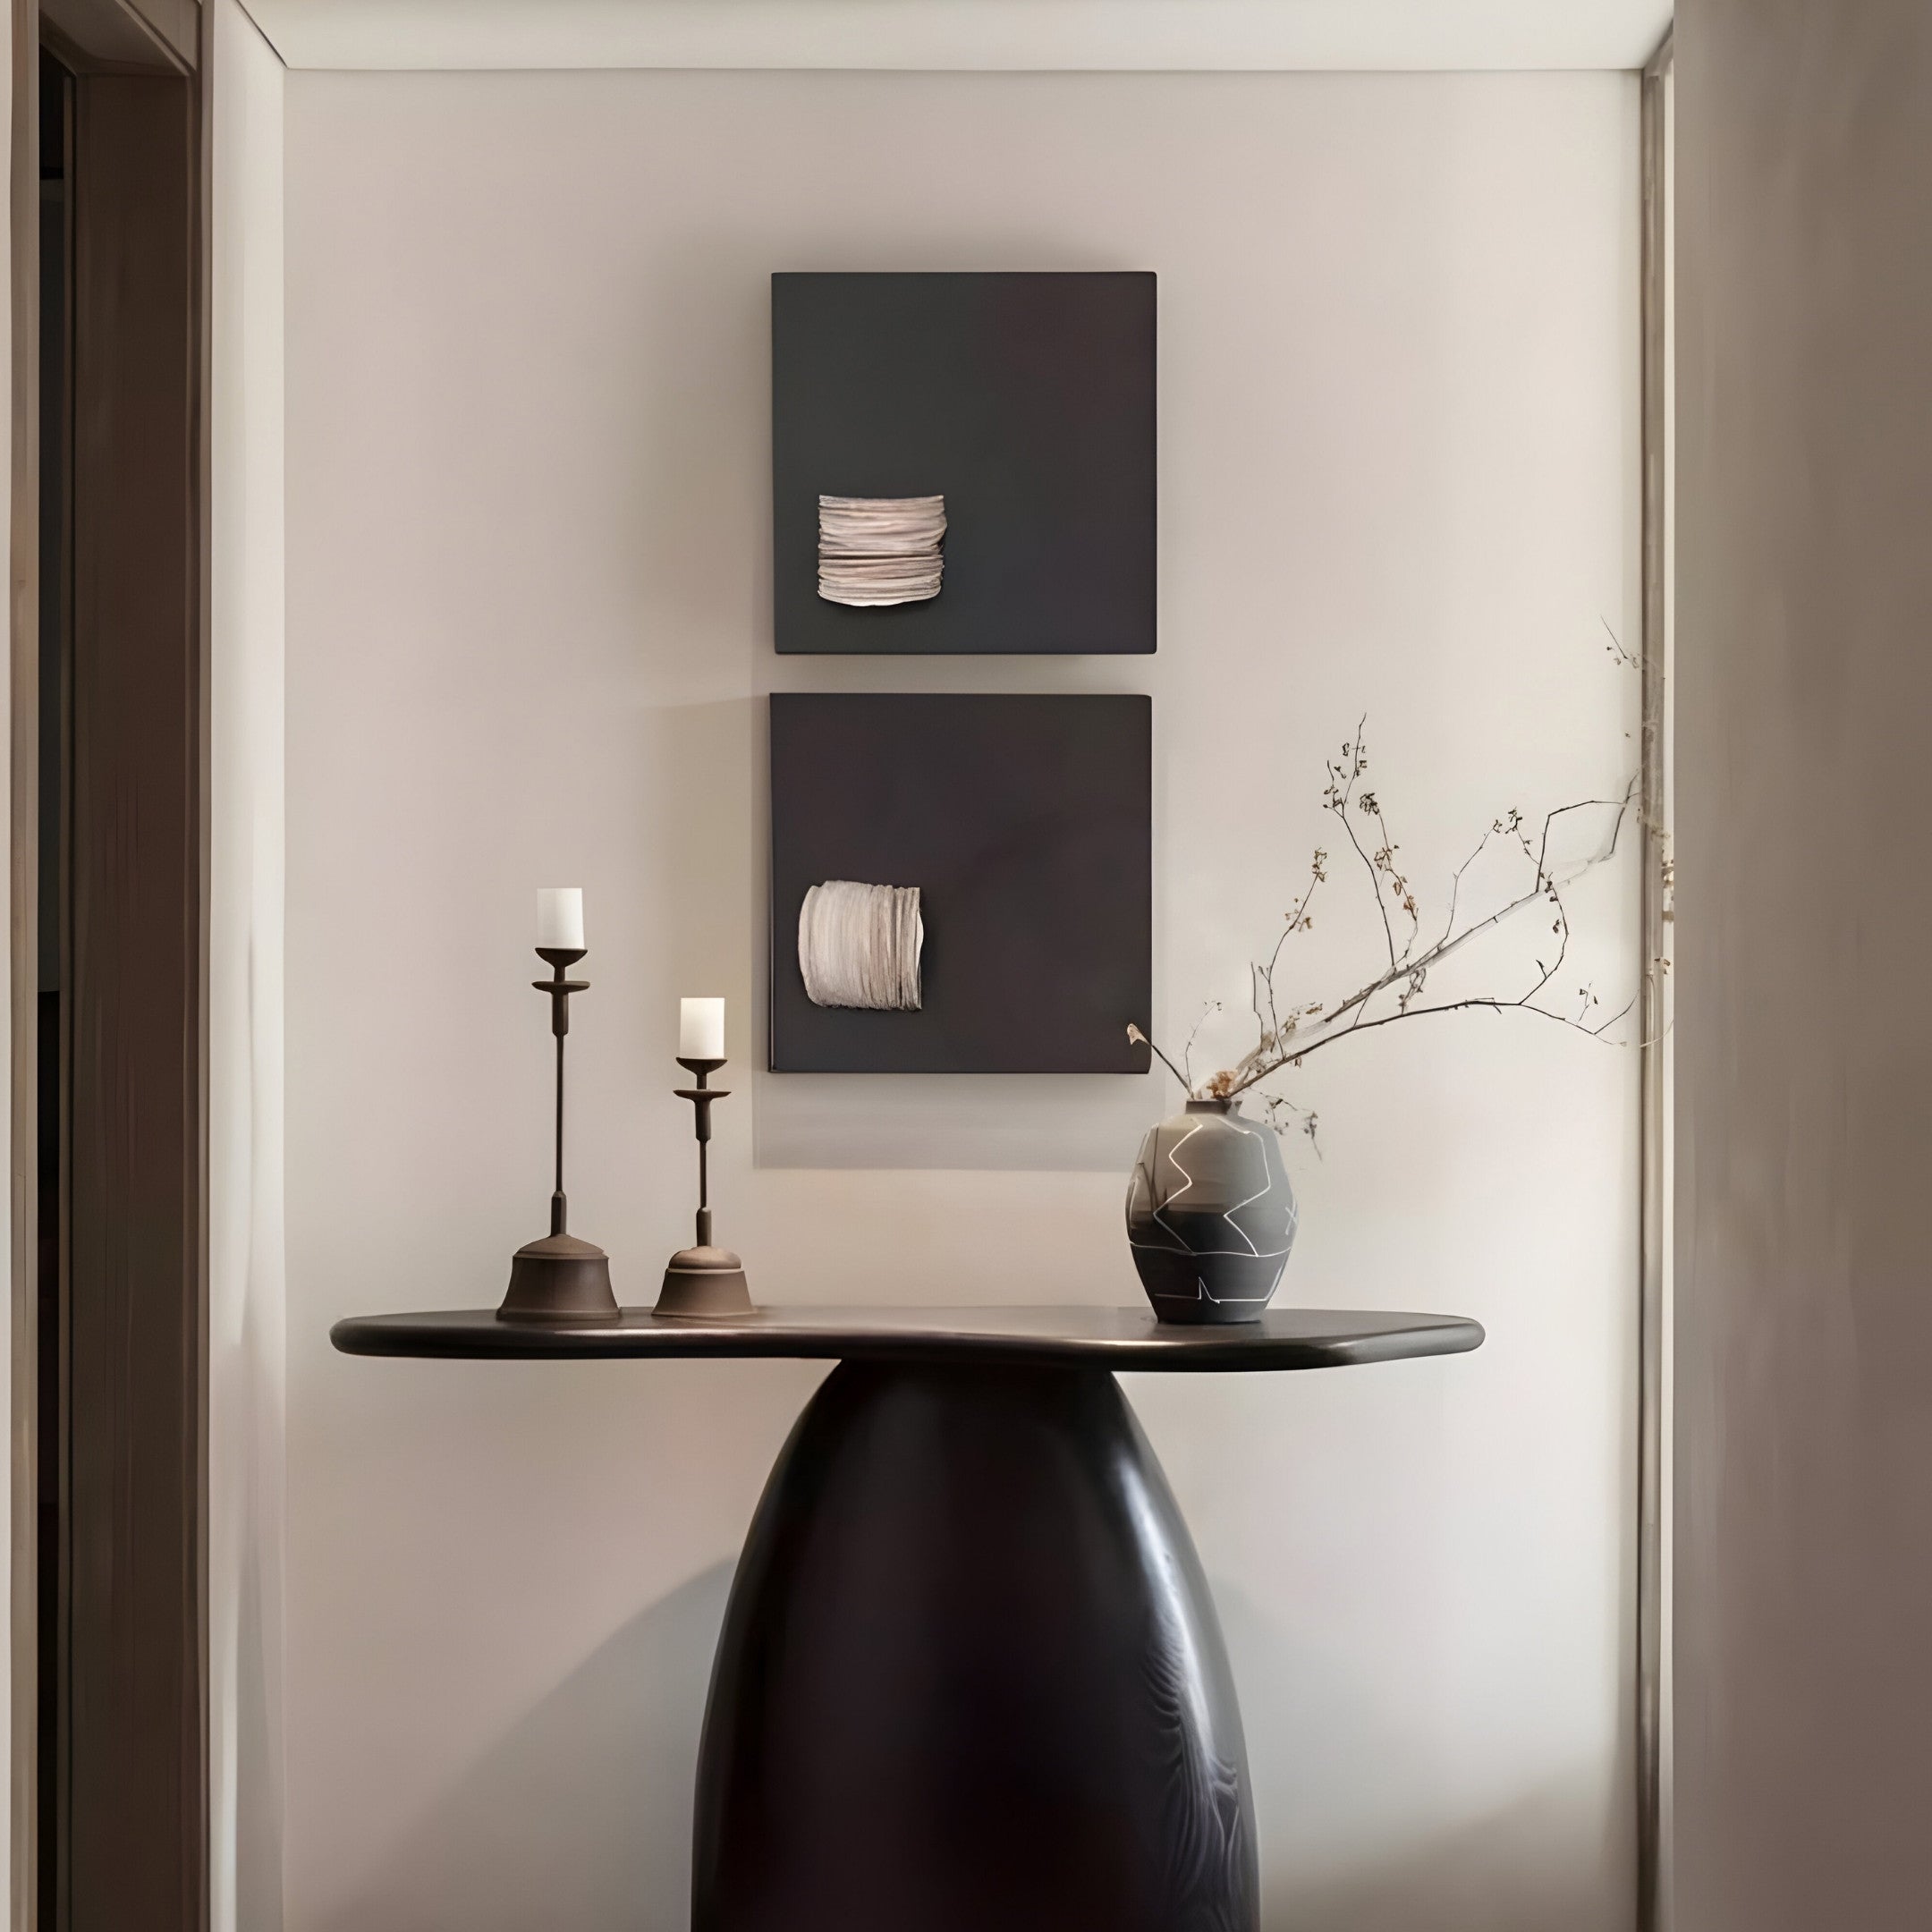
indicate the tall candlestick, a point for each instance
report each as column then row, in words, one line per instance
column 559, row 1278
column 701, row 1029
column 560, row 918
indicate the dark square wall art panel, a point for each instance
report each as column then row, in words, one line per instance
column 1026, row 825
column 991, row 438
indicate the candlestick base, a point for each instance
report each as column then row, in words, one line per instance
column 559, row 1279
column 704, row 1283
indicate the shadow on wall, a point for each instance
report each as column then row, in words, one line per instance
column 1512, row 1870
column 1557, row 1857
column 580, row 1819
column 716, row 755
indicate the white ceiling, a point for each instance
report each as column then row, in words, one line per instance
column 1262, row 34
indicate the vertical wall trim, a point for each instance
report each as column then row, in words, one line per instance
column 1653, row 1311
column 246, row 1351
column 17, row 1820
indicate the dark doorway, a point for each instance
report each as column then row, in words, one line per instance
column 110, row 879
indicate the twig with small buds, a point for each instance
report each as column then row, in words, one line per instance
column 1284, row 1041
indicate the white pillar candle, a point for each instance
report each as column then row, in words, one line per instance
column 701, row 1029
column 560, row 918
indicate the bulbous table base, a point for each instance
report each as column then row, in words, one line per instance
column 969, row 1676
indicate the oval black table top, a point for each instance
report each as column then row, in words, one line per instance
column 1101, row 1337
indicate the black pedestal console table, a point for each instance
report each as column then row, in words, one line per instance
column 969, row 1678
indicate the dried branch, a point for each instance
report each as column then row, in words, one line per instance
column 1187, row 1052
column 1141, row 1039
column 1282, row 1115
column 1286, row 1036
column 1336, row 801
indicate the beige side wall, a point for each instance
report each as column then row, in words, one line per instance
column 1803, row 1756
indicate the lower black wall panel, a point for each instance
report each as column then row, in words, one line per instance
column 1026, row 822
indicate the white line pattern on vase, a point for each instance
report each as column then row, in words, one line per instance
column 1253, row 1253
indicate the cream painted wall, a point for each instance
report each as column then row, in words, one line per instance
column 527, row 642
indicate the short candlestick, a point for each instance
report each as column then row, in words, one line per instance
column 704, row 1280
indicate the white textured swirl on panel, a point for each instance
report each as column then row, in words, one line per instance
column 879, row 550
column 859, row 945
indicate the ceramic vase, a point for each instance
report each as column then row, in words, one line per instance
column 1210, row 1215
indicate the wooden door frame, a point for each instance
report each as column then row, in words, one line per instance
column 133, row 1819
column 24, row 609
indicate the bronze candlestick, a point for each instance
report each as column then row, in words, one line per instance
column 559, row 1278
column 704, row 1280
